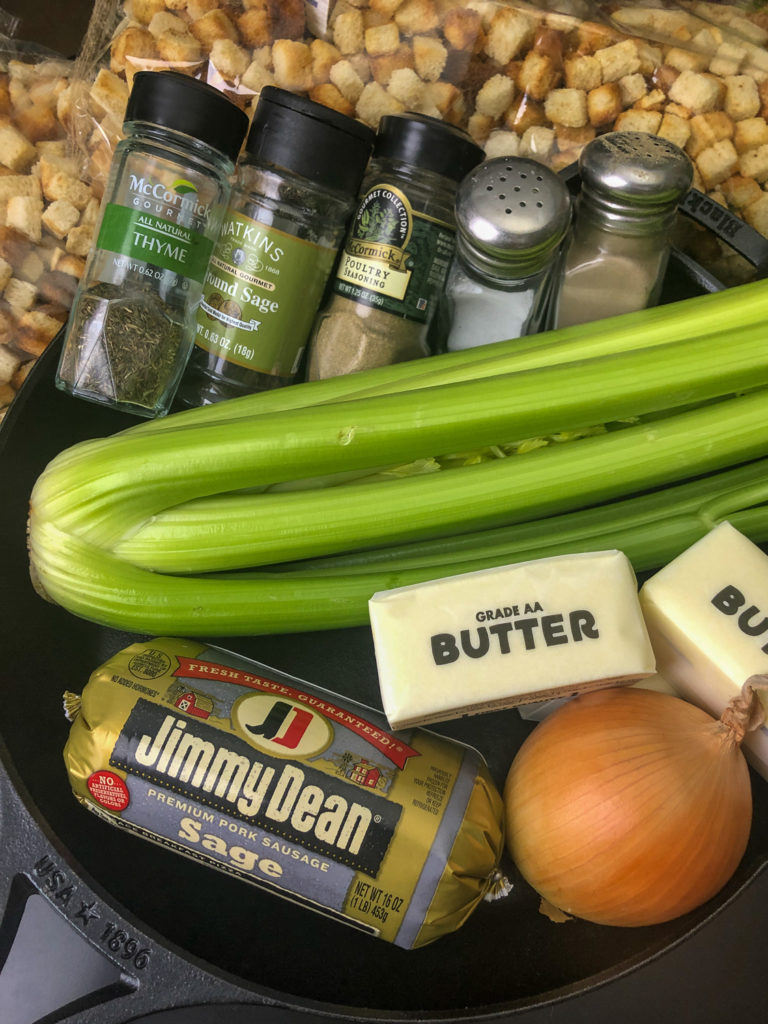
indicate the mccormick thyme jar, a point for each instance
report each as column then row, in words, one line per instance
column 131, row 326
column 296, row 188
column 391, row 275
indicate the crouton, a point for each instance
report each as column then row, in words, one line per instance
column 16, row 152
column 429, row 57
column 604, row 104
column 567, row 107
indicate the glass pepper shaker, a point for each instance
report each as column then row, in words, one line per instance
column 296, row 190
column 131, row 326
column 512, row 213
column 393, row 267
column 616, row 257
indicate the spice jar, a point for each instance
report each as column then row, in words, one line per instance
column 132, row 321
column 393, row 267
column 615, row 260
column 296, row 189
column 512, row 213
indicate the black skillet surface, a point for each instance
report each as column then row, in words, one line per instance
column 149, row 930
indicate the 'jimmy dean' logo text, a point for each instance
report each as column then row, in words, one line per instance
column 182, row 195
column 306, row 806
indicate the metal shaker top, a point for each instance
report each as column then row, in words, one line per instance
column 511, row 214
column 634, row 178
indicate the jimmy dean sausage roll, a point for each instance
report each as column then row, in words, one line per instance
column 286, row 785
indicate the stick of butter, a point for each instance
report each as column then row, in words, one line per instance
column 707, row 616
column 501, row 637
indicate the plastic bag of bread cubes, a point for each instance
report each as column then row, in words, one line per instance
column 531, row 79
column 47, row 212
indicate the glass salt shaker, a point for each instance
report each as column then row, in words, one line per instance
column 512, row 213
column 616, row 257
column 131, row 327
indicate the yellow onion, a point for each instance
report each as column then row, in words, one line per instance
column 631, row 807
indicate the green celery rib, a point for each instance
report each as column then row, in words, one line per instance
column 97, row 586
column 689, row 318
column 106, row 488
column 237, row 531
column 646, row 526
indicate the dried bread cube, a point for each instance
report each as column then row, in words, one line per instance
column 16, row 152
column 683, row 59
column 60, row 217
column 346, row 79
column 255, row 27
column 256, row 76
column 462, row 29
column 80, row 239
column 144, row 11
column 717, row 163
column 383, row 66
column 619, row 60
column 6, row 273
column 747, row 134
column 632, row 87
column 164, row 22
column 583, row 71
column 538, row 142
column 35, row 331
column 229, row 59
column 538, row 75
column 502, row 143
column 110, row 93
column 375, row 102
column 567, row 107
column 19, row 185
column 20, row 295
column 133, row 45
column 739, row 191
column 742, row 99
column 510, row 32
column 212, row 26
column 324, row 56
column 24, row 214
column 327, row 94
column 728, row 59
column 38, row 121
column 480, row 126
column 179, row 48
column 381, row 39
column 495, row 96
column 292, row 65
column 414, row 17
column 429, row 57
column 406, row 86
column 638, row 121
column 9, row 364
column 604, row 104
column 349, row 32
column 756, row 214
column 675, row 129
column 699, row 92
column 385, row 7
column 754, row 163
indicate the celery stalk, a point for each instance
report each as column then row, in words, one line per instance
column 268, row 528
column 95, row 585
column 694, row 317
column 107, row 488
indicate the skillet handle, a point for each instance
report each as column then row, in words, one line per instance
column 68, row 955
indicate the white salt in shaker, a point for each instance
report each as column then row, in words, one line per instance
column 616, row 257
column 511, row 214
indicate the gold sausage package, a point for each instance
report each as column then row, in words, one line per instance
column 287, row 786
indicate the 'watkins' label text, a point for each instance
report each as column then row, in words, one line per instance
column 326, row 815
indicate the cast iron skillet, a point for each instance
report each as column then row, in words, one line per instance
column 129, row 928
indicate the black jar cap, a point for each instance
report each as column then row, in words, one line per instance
column 172, row 100
column 309, row 139
column 427, row 143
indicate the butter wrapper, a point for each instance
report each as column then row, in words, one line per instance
column 287, row 786
column 503, row 637
column 707, row 616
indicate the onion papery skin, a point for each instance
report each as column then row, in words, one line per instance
column 628, row 807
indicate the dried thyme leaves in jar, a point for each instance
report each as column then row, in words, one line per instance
column 131, row 326
column 392, row 270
